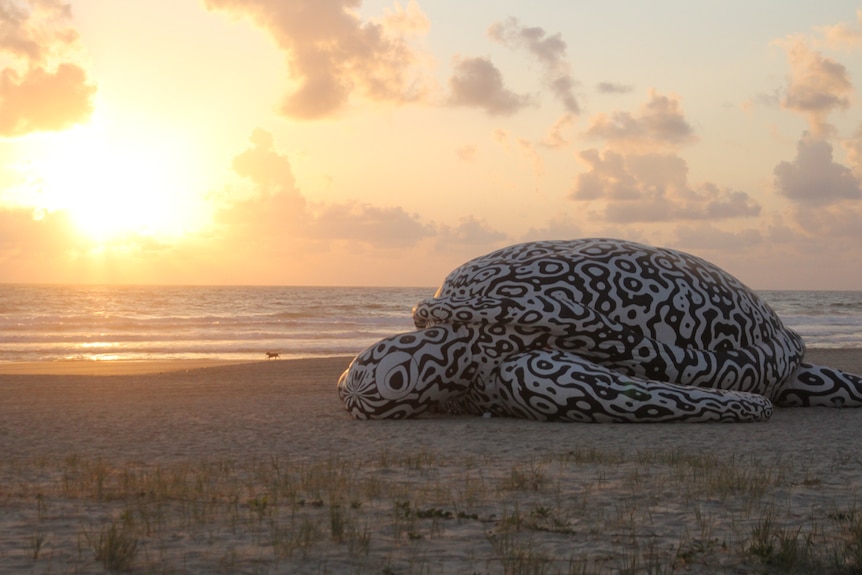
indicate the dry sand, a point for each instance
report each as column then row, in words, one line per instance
column 257, row 468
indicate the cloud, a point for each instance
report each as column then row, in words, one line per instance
column 659, row 123
column 813, row 177
column 36, row 92
column 332, row 53
column 559, row 227
column 25, row 234
column 550, row 51
column 844, row 35
column 264, row 166
column 466, row 153
column 390, row 227
column 830, row 222
column 709, row 237
column 613, row 88
column 34, row 30
column 607, row 178
column 557, row 138
column 477, row 83
column 654, row 188
column 817, row 85
column 276, row 208
column 853, row 145
column 278, row 211
column 639, row 178
column 409, row 20
column 44, row 101
column 470, row 231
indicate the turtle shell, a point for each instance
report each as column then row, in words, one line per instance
column 665, row 295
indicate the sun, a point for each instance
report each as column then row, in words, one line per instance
column 117, row 188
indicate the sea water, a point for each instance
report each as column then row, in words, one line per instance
column 49, row 322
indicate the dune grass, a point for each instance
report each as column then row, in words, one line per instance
column 585, row 511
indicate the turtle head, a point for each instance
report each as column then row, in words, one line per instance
column 408, row 373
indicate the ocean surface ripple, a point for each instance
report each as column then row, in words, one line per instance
column 49, row 323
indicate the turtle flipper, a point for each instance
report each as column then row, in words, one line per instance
column 561, row 386
column 819, row 385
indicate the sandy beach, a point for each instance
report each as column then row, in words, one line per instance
column 256, row 467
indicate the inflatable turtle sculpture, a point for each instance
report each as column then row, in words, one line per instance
column 592, row 330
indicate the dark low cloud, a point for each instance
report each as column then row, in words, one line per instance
column 549, row 50
column 814, row 178
column 477, row 83
column 332, row 53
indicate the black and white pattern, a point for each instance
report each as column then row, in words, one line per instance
column 592, row 330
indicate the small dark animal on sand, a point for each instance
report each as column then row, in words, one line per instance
column 272, row 355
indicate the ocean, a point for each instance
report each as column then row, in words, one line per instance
column 50, row 323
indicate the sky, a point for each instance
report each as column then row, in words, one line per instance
column 381, row 143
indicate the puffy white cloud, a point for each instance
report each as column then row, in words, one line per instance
column 813, row 177
column 476, row 82
column 549, row 50
column 332, row 53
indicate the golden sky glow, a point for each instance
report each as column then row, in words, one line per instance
column 384, row 143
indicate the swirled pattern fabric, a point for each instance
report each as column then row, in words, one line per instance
column 592, row 330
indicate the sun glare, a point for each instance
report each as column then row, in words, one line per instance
column 114, row 189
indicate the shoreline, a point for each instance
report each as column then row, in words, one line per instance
column 109, row 367
column 848, row 359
